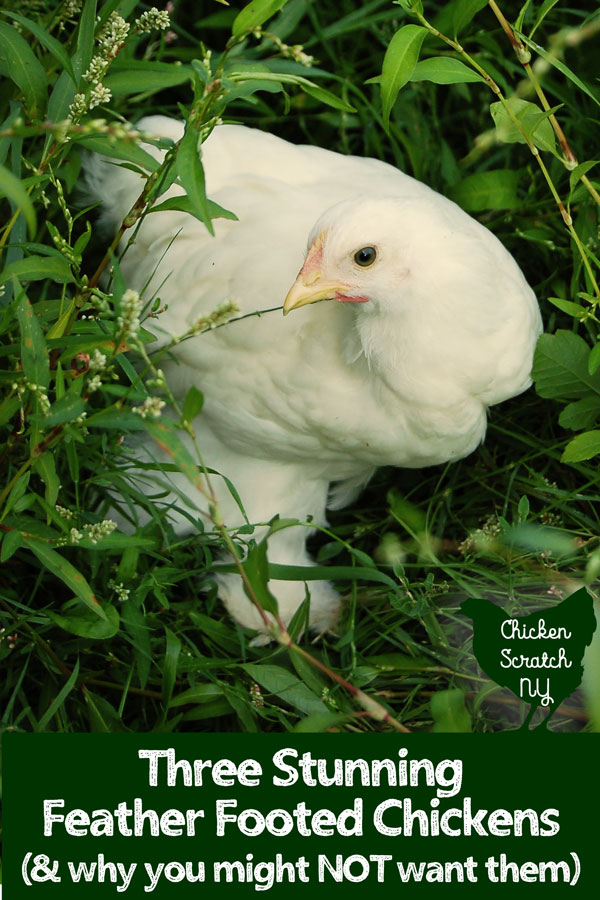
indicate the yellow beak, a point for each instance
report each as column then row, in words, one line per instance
column 309, row 285
column 302, row 293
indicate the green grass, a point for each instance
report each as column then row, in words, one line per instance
column 513, row 522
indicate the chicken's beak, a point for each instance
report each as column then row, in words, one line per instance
column 301, row 293
column 310, row 285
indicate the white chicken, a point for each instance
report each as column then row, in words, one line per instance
column 435, row 323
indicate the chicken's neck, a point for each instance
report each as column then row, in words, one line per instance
column 401, row 357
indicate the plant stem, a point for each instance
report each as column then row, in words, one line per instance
column 569, row 159
column 523, row 55
column 518, row 124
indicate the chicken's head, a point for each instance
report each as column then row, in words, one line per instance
column 437, row 302
column 353, row 256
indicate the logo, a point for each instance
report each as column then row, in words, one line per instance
column 538, row 657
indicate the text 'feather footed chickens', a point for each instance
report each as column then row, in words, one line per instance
column 146, row 815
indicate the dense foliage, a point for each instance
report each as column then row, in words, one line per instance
column 496, row 106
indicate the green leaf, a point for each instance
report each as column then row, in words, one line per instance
column 543, row 12
column 103, row 717
column 46, row 469
column 191, row 175
column 308, row 673
column 64, row 91
column 184, row 204
column 83, row 240
column 211, row 710
column 559, row 64
column 18, row 62
column 61, row 98
column 581, row 414
column 252, row 86
column 450, row 715
column 67, row 573
column 287, row 687
column 8, row 408
column 11, row 542
column 18, row 490
column 324, row 96
column 85, row 35
column 278, row 524
column 281, row 572
column 11, row 187
column 560, row 367
column 34, row 355
column 85, row 624
column 59, row 699
column 135, row 76
column 169, row 672
column 106, row 10
column 136, row 625
column 582, row 169
column 6, row 140
column 256, row 568
column 538, row 539
column 254, row 14
column 168, row 440
column 38, row 268
column 319, row 722
column 494, row 189
column 398, row 65
column 533, row 121
column 521, row 17
column 201, row 693
column 523, row 507
column 25, row 503
column 217, row 632
column 72, row 460
column 120, row 419
column 257, row 77
column 403, row 663
column 463, row 12
column 118, row 149
column 240, row 705
column 75, row 344
column 410, row 5
column 192, row 405
column 117, row 543
column 66, row 409
column 232, row 490
column 584, row 446
column 56, row 49
column 573, row 309
column 60, row 325
column 444, row 70
column 594, row 360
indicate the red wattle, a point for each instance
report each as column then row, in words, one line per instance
column 344, row 298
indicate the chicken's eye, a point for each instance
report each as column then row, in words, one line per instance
column 366, row 256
